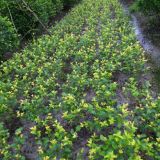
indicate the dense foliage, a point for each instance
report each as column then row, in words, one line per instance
column 23, row 17
column 80, row 93
column 26, row 16
column 70, row 2
column 8, row 36
column 147, row 5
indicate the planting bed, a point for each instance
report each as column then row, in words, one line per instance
column 81, row 93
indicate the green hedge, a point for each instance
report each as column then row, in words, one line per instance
column 8, row 37
column 70, row 2
column 147, row 6
column 24, row 19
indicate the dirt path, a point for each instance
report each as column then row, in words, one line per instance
column 152, row 49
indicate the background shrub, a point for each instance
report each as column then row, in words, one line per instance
column 70, row 2
column 21, row 15
column 147, row 6
column 8, row 37
column 24, row 19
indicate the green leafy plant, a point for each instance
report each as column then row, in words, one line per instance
column 9, row 40
column 147, row 6
column 77, row 93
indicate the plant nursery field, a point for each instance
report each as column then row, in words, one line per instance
column 82, row 93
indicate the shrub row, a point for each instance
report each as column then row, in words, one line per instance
column 9, row 39
column 79, row 93
column 22, row 16
column 147, row 6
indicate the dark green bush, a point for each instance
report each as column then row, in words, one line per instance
column 147, row 6
column 70, row 2
column 27, row 17
column 8, row 37
column 23, row 12
column 45, row 9
column 23, row 15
